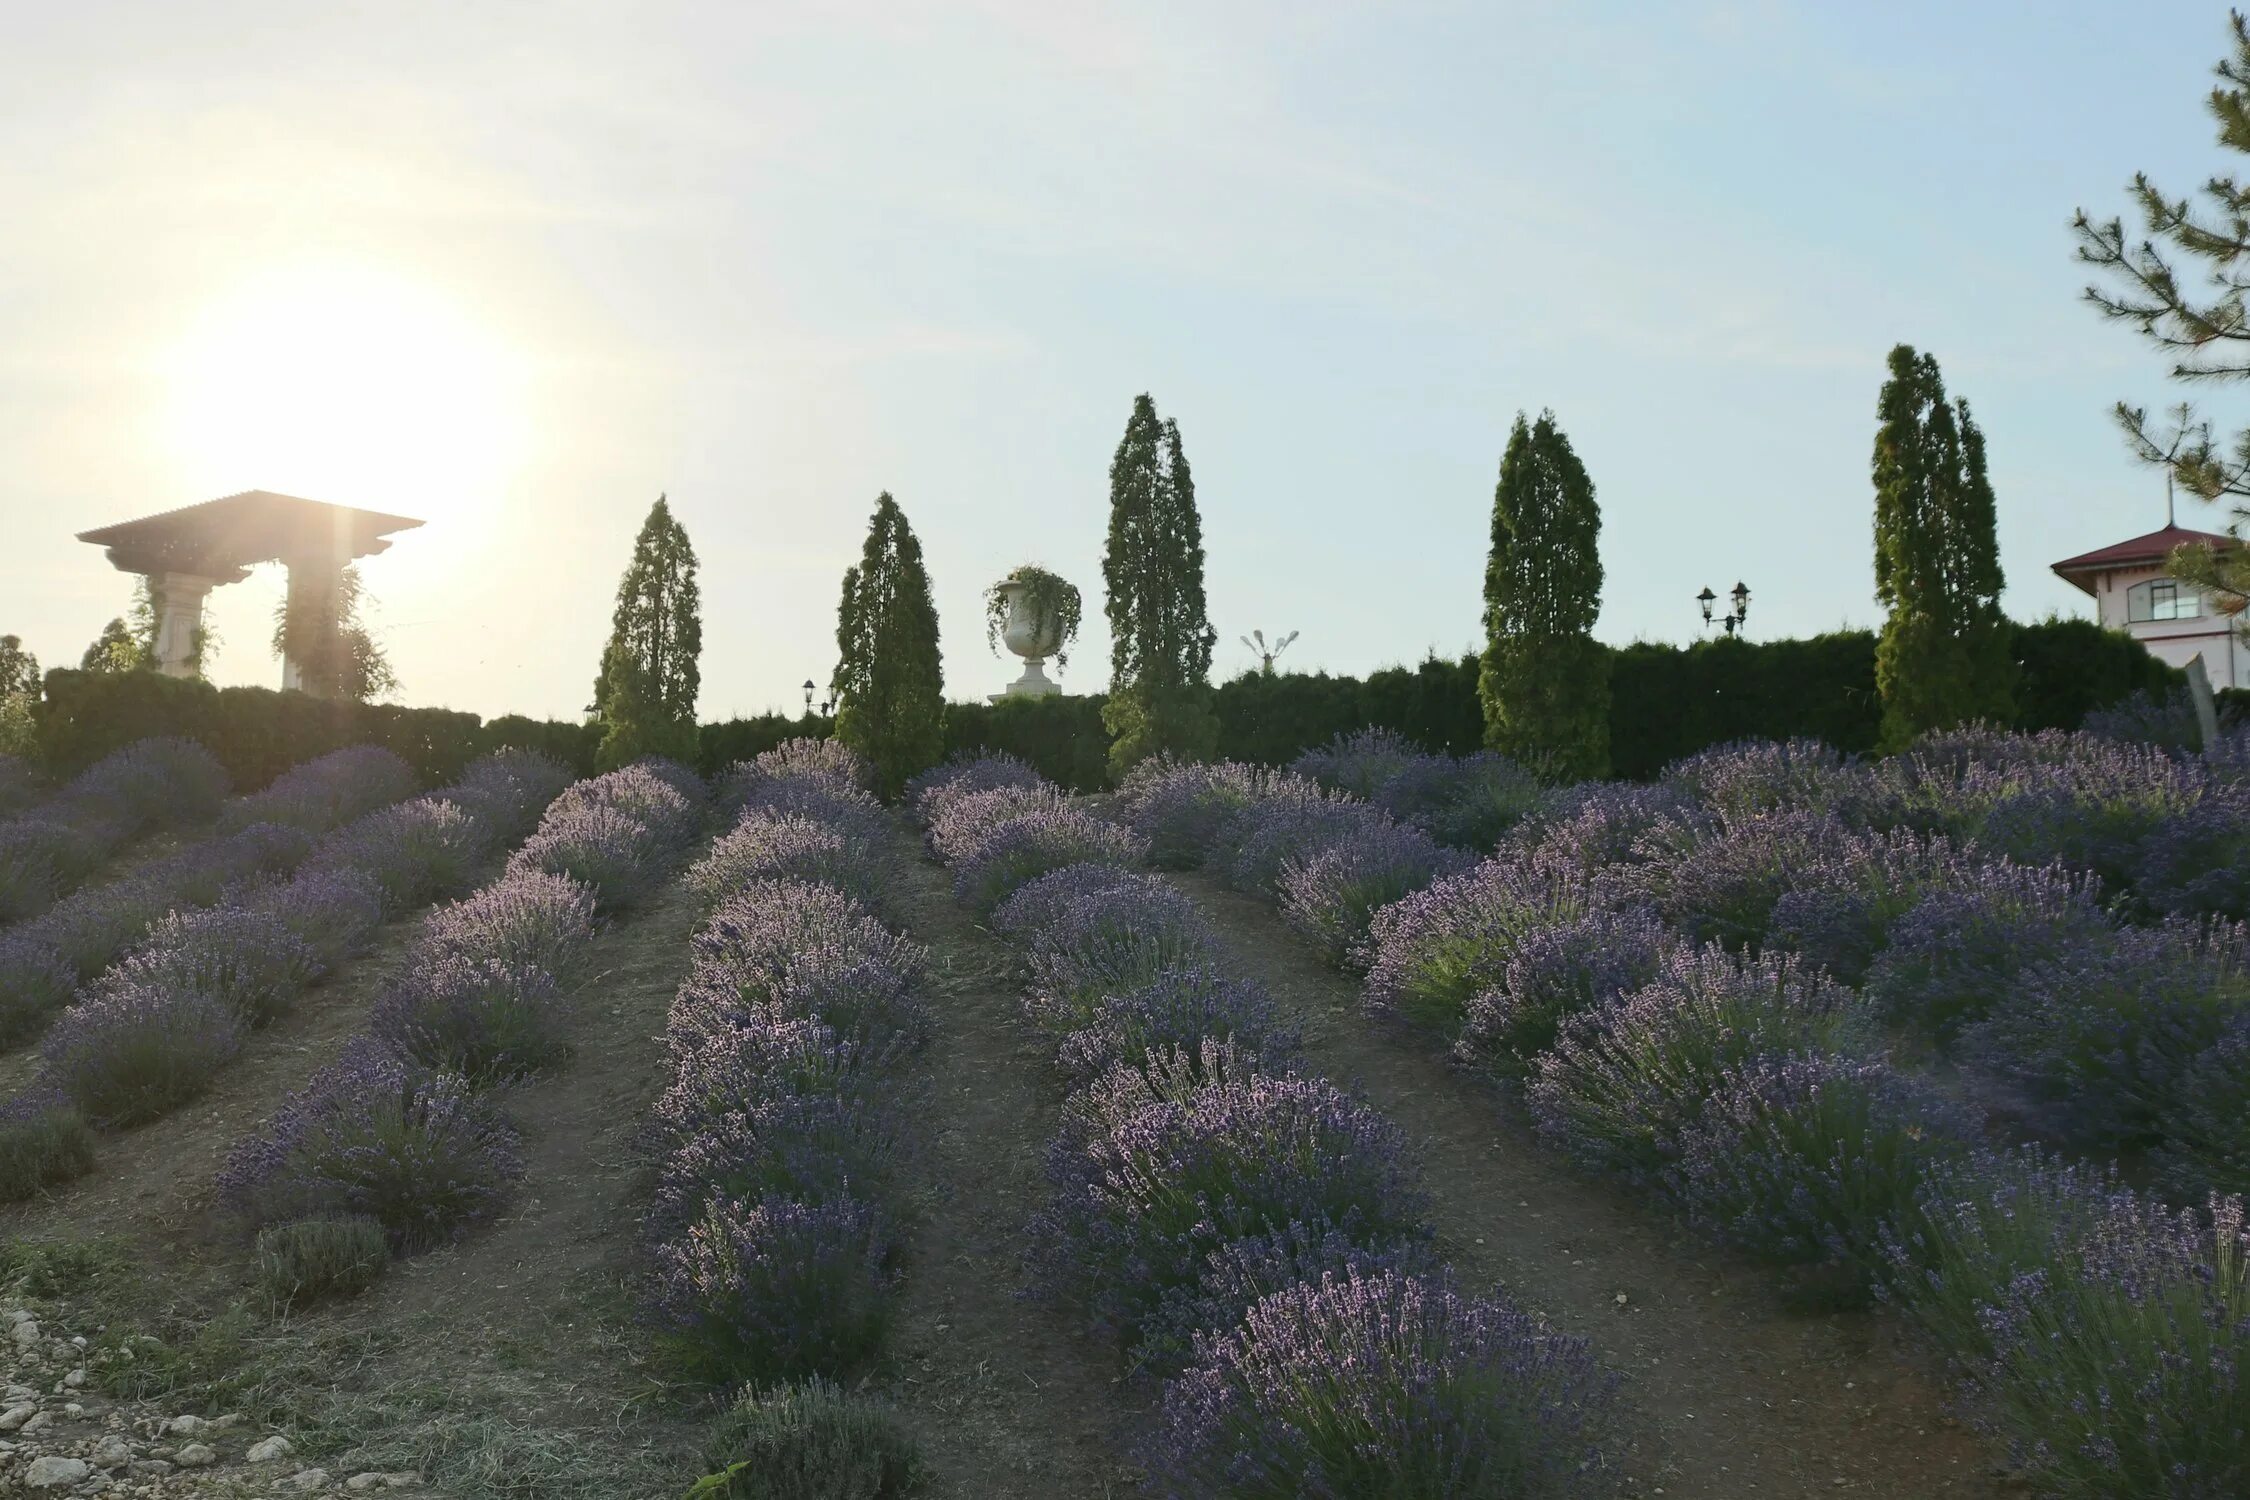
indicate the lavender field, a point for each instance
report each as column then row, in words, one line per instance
column 1235, row 1110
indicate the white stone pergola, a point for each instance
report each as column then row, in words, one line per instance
column 186, row 553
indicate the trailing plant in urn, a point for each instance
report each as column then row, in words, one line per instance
column 1047, row 603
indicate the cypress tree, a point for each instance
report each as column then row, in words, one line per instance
column 1943, row 657
column 651, row 672
column 889, row 684
column 1544, row 679
column 1160, row 633
column 19, row 669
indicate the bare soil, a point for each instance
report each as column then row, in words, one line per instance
column 1724, row 1392
column 1006, row 1396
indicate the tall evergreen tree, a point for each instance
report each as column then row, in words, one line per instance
column 651, row 672
column 1943, row 657
column 889, row 683
column 2207, row 335
column 1544, row 679
column 1160, row 633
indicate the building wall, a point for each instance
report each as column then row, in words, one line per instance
column 2176, row 642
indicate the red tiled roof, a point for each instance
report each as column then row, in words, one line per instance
column 2154, row 547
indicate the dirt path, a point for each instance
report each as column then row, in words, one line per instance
column 1006, row 1399
column 1724, row 1393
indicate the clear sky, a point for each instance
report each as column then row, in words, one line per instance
column 518, row 268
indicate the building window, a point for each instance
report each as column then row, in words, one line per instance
column 2162, row 599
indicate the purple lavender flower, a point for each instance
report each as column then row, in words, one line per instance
column 1624, row 1082
column 1292, row 822
column 1359, row 763
column 1118, row 938
column 1803, row 1159
column 1959, row 949
column 1436, row 949
column 1180, row 807
column 806, row 1148
column 92, row 928
column 1331, row 895
column 44, row 1141
column 1178, row 1012
column 962, row 824
column 737, row 1068
column 1597, row 824
column 1039, row 904
column 153, row 783
column 32, row 851
column 416, row 851
column 782, row 845
column 928, row 794
column 508, row 791
column 608, row 852
column 19, row 785
column 35, row 982
column 2165, row 719
column 334, row 912
column 2206, row 1145
column 2096, row 810
column 372, row 1135
column 326, row 792
column 1840, row 906
column 247, row 960
column 2197, row 863
column 774, row 1290
column 1470, row 803
column 1156, row 1168
column 1028, row 846
column 1555, row 971
column 134, row 1052
column 829, row 764
column 803, row 950
column 1748, row 778
column 642, row 795
column 2099, row 1040
column 489, row 1020
column 1724, row 889
column 525, row 919
column 1384, row 1383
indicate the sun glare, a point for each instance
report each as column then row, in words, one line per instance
column 352, row 385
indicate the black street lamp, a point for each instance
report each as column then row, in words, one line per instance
column 808, row 694
column 1733, row 619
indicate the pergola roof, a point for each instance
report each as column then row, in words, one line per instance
column 221, row 539
column 2153, row 548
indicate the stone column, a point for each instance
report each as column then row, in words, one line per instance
column 179, row 620
column 314, row 583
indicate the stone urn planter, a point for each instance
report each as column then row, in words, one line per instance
column 1032, row 636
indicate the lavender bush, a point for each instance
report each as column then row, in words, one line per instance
column 664, row 800
column 526, row 919
column 1331, row 895
column 610, row 853
column 93, row 928
column 1555, row 971
column 2197, row 864
column 326, row 792
column 19, row 785
column 1385, row 1384
column 44, row 1141
column 1953, row 954
column 1438, row 948
column 508, row 790
column 35, row 982
column 1176, row 1014
column 1028, row 846
column 246, row 960
column 802, row 1147
column 134, row 1052
column 1746, row 779
column 487, row 1020
column 1292, row 822
column 415, row 851
column 928, row 794
column 1623, row 1083
column 766, row 845
column 1599, row 824
column 1469, row 803
column 32, row 856
column 773, row 1291
column 1806, row 1158
column 1359, row 763
column 1121, row 937
column 1725, row 888
column 2206, row 1146
column 371, row 1135
column 804, row 950
column 1157, row 1168
column 334, row 912
column 1180, row 807
column 739, row 1068
column 2098, row 1041
column 963, row 824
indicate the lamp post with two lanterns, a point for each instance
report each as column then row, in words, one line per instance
column 1732, row 620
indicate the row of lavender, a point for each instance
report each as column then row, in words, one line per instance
column 404, row 1143
column 148, row 1033
column 1250, row 1232
column 51, row 847
column 263, row 836
column 1705, row 987
column 770, row 1245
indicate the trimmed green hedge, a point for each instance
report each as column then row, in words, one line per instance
column 1665, row 702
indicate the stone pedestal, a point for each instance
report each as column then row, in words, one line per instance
column 315, row 584
column 179, row 620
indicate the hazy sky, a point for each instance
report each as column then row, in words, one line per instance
column 518, row 268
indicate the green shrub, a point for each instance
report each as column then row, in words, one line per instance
column 313, row 1260
column 45, row 1144
column 1062, row 738
column 810, row 1441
